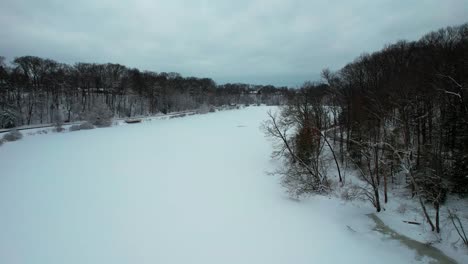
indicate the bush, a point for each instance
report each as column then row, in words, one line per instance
column 99, row 115
column 350, row 193
column 86, row 125
column 13, row 135
column 74, row 128
column 203, row 109
column 103, row 122
column 58, row 121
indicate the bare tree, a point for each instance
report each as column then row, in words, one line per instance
column 301, row 174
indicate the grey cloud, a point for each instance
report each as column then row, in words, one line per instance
column 259, row 41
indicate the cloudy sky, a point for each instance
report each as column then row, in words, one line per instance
column 283, row 42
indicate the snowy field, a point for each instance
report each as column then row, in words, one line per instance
column 185, row 190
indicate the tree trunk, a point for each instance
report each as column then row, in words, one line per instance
column 385, row 188
column 334, row 156
column 428, row 218
column 377, row 199
column 437, row 207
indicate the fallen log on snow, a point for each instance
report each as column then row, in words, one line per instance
column 412, row 223
column 132, row 121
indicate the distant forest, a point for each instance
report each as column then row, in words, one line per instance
column 34, row 90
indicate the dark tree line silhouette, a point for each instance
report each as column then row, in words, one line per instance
column 404, row 109
column 34, row 90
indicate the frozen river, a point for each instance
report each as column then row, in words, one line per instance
column 186, row 190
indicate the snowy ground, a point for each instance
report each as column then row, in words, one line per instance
column 185, row 190
column 403, row 207
column 47, row 128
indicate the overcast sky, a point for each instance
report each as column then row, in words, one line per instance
column 257, row 41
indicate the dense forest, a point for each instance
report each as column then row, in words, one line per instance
column 399, row 116
column 34, row 90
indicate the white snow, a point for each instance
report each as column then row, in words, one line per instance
column 402, row 207
column 447, row 240
column 186, row 190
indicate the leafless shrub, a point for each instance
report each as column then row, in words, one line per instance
column 58, row 122
column 86, row 126
column 13, row 135
column 301, row 153
column 100, row 115
column 350, row 193
column 203, row 109
column 457, row 224
column 74, row 128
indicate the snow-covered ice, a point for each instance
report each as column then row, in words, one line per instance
column 187, row 190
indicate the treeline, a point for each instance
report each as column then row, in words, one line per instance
column 413, row 96
column 35, row 90
column 404, row 110
column 399, row 116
